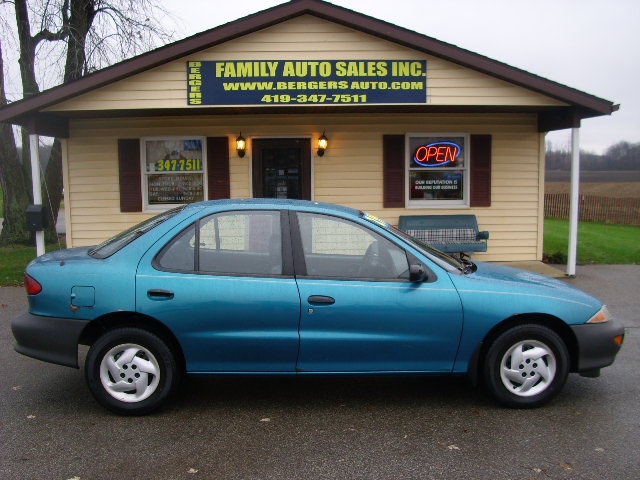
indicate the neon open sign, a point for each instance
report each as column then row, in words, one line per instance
column 437, row 154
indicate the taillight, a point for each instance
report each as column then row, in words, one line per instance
column 31, row 285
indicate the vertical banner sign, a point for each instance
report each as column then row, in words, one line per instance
column 296, row 82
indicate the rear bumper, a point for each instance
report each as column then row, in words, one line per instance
column 50, row 339
column 596, row 345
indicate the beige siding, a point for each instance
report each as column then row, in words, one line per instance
column 310, row 38
column 351, row 170
column 349, row 173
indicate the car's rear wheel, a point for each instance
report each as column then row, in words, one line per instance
column 131, row 371
column 526, row 366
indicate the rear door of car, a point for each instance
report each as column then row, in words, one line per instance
column 224, row 285
column 360, row 312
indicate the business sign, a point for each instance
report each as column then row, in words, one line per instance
column 437, row 154
column 306, row 82
column 432, row 185
column 437, row 167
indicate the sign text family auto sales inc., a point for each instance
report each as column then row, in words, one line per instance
column 296, row 82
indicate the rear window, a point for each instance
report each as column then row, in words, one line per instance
column 121, row 240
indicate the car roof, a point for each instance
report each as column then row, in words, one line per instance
column 270, row 203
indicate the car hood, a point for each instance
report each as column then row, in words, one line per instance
column 503, row 279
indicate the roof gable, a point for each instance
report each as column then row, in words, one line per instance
column 581, row 105
column 298, row 41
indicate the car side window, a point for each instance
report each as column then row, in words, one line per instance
column 340, row 248
column 179, row 254
column 243, row 242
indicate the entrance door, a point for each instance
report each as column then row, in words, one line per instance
column 282, row 168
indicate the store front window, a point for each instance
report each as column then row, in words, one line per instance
column 438, row 167
column 174, row 171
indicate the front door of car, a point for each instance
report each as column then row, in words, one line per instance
column 360, row 312
column 224, row 286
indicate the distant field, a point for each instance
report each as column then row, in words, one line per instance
column 621, row 184
column 601, row 189
column 588, row 176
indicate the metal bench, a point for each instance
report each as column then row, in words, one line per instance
column 448, row 233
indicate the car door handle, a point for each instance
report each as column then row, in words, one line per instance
column 321, row 300
column 158, row 294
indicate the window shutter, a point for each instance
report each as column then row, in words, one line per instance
column 129, row 174
column 219, row 184
column 393, row 171
column 480, row 151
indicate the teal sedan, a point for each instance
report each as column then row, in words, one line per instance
column 293, row 287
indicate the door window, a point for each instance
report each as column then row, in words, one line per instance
column 339, row 248
column 244, row 243
column 282, row 168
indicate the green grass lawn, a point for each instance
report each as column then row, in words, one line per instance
column 597, row 242
column 13, row 259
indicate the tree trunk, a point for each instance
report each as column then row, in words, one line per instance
column 12, row 182
column 82, row 14
column 72, row 21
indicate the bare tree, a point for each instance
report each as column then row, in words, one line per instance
column 94, row 34
column 12, row 181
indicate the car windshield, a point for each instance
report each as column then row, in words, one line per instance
column 444, row 260
column 116, row 243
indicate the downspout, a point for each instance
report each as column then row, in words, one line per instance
column 574, row 202
column 34, row 151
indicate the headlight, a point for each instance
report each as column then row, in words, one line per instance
column 602, row 316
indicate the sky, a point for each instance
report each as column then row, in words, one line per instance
column 590, row 45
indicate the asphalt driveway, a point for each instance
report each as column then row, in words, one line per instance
column 327, row 428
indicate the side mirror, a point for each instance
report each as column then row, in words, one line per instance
column 417, row 273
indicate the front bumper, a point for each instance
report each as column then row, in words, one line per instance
column 596, row 345
column 50, row 339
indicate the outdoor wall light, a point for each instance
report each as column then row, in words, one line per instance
column 241, row 145
column 323, row 143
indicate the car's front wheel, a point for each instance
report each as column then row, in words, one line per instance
column 526, row 366
column 131, row 371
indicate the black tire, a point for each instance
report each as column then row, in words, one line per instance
column 131, row 371
column 526, row 366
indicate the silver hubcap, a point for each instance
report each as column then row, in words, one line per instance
column 528, row 368
column 129, row 373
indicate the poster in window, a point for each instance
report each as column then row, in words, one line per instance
column 174, row 170
column 436, row 185
column 173, row 155
column 177, row 188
